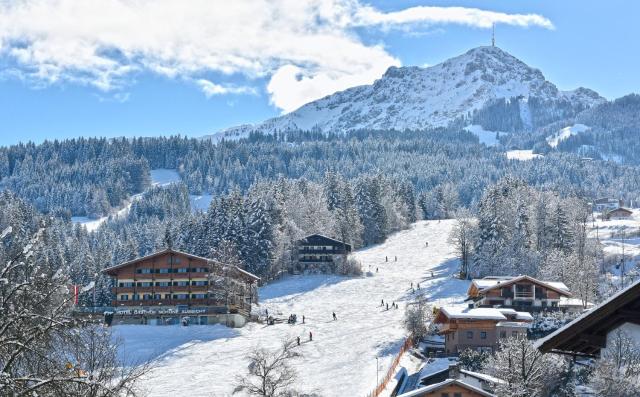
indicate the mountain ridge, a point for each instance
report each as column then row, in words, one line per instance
column 416, row 98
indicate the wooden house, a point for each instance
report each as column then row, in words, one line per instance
column 523, row 293
column 589, row 334
column 618, row 213
column 318, row 253
column 170, row 286
column 479, row 329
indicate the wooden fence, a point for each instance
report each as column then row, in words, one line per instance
column 392, row 369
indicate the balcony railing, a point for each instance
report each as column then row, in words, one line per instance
column 524, row 295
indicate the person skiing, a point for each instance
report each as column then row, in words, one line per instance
column 266, row 313
column 386, row 259
column 298, row 341
column 418, row 285
column 412, row 285
column 431, row 274
column 382, row 302
column 395, row 259
column 376, row 270
column 393, row 305
column 334, row 316
column 303, row 319
column 310, row 336
column 387, row 306
column 426, row 243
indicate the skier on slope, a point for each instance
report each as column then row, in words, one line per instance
column 334, row 316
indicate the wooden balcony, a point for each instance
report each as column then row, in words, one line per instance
column 167, row 302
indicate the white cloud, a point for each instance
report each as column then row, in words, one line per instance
column 306, row 48
column 475, row 17
column 210, row 88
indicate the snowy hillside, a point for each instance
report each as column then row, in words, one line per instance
column 159, row 177
column 565, row 133
column 418, row 98
column 341, row 359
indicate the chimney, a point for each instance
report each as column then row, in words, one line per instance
column 454, row 371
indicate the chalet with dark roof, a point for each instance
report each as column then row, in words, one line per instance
column 523, row 293
column 588, row 334
column 317, row 253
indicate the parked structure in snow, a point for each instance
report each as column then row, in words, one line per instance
column 618, row 213
column 318, row 253
column 479, row 329
column 170, row 287
column 522, row 293
column 604, row 204
column 588, row 334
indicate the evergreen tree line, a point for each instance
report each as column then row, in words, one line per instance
column 521, row 230
column 92, row 177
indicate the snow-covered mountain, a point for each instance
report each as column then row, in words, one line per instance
column 419, row 98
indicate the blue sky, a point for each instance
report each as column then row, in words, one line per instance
column 102, row 68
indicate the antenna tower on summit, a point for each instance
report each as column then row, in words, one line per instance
column 493, row 35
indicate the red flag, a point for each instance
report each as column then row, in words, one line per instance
column 76, row 292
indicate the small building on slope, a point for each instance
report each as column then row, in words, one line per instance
column 171, row 287
column 479, row 329
column 318, row 253
column 523, row 293
column 617, row 214
column 589, row 334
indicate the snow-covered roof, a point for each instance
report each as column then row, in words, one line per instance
column 480, row 313
column 485, row 377
column 427, row 389
column 487, row 283
column 570, row 302
column 513, row 324
column 434, row 366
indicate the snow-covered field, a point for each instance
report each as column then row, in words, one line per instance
column 565, row 133
column 489, row 138
column 522, row 155
column 605, row 231
column 341, row 359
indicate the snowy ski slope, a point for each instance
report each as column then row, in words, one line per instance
column 341, row 359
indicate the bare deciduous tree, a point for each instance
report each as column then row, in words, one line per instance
column 617, row 373
column 416, row 317
column 44, row 350
column 270, row 373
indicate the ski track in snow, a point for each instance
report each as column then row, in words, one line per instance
column 341, row 359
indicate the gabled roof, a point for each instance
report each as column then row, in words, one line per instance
column 478, row 313
column 320, row 238
column 587, row 334
column 488, row 283
column 626, row 210
column 112, row 269
column 438, row 386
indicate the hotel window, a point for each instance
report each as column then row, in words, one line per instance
column 163, row 283
column 164, row 271
column 145, row 284
column 199, row 296
column 483, row 335
column 180, row 296
column 503, row 334
column 144, row 270
column 182, row 270
column 157, row 296
column 136, row 297
column 469, row 334
column 167, row 296
column 125, row 284
column 199, row 283
column 124, row 297
column 180, row 283
column 147, row 297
